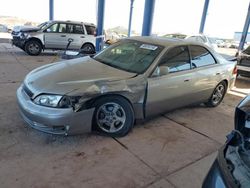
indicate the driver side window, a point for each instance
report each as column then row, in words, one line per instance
column 176, row 59
column 52, row 29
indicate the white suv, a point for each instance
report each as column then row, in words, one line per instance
column 55, row 35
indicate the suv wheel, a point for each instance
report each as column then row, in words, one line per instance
column 88, row 49
column 33, row 47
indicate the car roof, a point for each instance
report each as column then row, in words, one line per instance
column 166, row 42
column 73, row 22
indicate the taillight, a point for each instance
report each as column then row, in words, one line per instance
column 235, row 70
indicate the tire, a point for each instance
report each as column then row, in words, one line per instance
column 217, row 95
column 113, row 116
column 33, row 47
column 88, row 49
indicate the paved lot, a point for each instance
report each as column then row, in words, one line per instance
column 172, row 150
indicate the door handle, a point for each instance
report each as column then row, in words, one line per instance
column 218, row 73
column 82, row 36
column 63, row 35
column 186, row 80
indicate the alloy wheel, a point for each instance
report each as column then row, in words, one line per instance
column 110, row 117
column 218, row 93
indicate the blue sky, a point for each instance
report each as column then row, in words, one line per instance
column 223, row 19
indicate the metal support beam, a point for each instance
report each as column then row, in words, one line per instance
column 100, row 20
column 204, row 16
column 245, row 30
column 51, row 9
column 148, row 17
column 130, row 17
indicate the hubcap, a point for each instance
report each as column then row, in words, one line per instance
column 87, row 49
column 110, row 117
column 33, row 48
column 218, row 93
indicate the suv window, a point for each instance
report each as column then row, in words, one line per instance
column 201, row 56
column 91, row 30
column 62, row 28
column 177, row 59
column 53, row 28
column 75, row 28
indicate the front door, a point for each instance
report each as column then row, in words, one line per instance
column 55, row 37
column 174, row 89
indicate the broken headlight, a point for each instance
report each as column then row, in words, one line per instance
column 48, row 100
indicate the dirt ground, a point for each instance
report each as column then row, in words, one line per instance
column 172, row 150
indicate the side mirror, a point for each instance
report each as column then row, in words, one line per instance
column 160, row 71
column 164, row 70
column 48, row 30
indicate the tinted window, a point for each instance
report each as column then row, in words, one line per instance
column 75, row 28
column 177, row 59
column 201, row 56
column 53, row 28
column 78, row 29
column 91, row 30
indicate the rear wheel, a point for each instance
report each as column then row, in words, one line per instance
column 218, row 94
column 113, row 116
column 33, row 47
column 88, row 49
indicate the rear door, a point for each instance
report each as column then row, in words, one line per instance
column 55, row 37
column 208, row 73
column 175, row 89
column 77, row 33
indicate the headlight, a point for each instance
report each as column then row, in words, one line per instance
column 23, row 35
column 48, row 100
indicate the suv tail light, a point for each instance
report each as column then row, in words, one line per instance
column 235, row 70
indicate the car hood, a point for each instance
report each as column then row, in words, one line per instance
column 81, row 74
column 25, row 28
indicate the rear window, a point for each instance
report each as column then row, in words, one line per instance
column 201, row 57
column 91, row 30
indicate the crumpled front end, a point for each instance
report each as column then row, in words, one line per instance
column 64, row 121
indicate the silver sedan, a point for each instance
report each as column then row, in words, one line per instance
column 133, row 79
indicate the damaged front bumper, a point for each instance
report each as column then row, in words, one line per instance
column 18, row 42
column 61, row 121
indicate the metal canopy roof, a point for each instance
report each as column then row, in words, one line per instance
column 148, row 20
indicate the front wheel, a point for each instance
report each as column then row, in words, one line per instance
column 33, row 47
column 113, row 116
column 218, row 95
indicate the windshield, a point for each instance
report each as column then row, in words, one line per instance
column 129, row 55
column 43, row 25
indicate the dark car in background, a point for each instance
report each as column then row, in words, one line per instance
column 243, row 62
column 231, row 168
